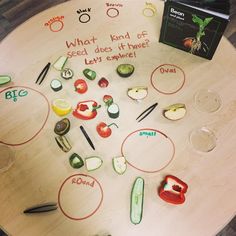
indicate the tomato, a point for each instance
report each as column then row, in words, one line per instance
column 81, row 86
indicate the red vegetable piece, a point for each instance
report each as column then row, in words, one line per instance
column 108, row 99
column 103, row 82
column 80, row 86
column 86, row 110
column 104, row 130
column 173, row 190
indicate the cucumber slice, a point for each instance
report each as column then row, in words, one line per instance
column 56, row 85
column 67, row 73
column 113, row 111
column 125, row 70
column 60, row 63
column 63, row 143
column 93, row 163
column 76, row 161
column 4, row 79
column 137, row 198
column 119, row 165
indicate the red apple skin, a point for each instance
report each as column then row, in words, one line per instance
column 103, row 82
column 81, row 86
column 103, row 130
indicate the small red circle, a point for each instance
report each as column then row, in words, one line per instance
column 86, row 216
column 59, row 28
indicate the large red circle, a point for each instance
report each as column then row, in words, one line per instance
column 145, row 170
column 169, row 92
column 46, row 118
column 88, row 215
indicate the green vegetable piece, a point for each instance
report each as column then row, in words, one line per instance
column 113, row 111
column 137, row 198
column 56, row 85
column 76, row 161
column 4, row 79
column 62, row 127
column 60, row 63
column 125, row 70
column 89, row 74
column 67, row 73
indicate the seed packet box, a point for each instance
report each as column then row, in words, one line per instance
column 194, row 26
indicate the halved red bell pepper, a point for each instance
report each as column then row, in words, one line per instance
column 172, row 190
column 86, row 110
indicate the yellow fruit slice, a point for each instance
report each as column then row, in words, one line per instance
column 61, row 107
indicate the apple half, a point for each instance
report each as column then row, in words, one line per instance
column 175, row 111
column 138, row 93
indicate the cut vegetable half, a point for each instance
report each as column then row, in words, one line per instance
column 113, row 111
column 93, row 163
column 62, row 127
column 138, row 93
column 175, row 112
column 89, row 74
column 67, row 73
column 119, row 165
column 125, row 70
column 63, row 143
column 61, row 107
column 137, row 198
column 56, row 85
column 4, row 79
column 76, row 161
column 60, row 63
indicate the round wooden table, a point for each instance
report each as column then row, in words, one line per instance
column 100, row 36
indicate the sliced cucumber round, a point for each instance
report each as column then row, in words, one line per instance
column 113, row 111
column 56, row 85
column 67, row 73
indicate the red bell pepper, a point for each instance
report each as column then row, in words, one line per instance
column 172, row 190
column 86, row 110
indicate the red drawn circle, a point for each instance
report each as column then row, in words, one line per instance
column 92, row 212
column 58, row 28
column 169, row 92
column 138, row 145
column 46, row 118
column 112, row 9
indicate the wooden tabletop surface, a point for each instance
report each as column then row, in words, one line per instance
column 42, row 172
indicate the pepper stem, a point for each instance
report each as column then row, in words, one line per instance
column 97, row 107
column 113, row 124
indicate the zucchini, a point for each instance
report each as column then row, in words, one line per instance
column 76, row 161
column 63, row 143
column 62, row 127
column 67, row 73
column 113, row 111
column 119, row 165
column 93, row 163
column 56, row 85
column 60, row 63
column 137, row 198
column 4, row 79
column 125, row 70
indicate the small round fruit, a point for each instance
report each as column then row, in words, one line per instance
column 61, row 107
